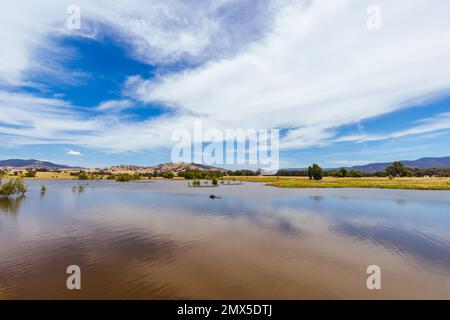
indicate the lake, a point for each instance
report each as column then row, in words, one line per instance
column 163, row 240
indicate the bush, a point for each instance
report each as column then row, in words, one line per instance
column 83, row 176
column 30, row 174
column 168, row 175
column 8, row 189
column 135, row 176
column 123, row 177
column 215, row 181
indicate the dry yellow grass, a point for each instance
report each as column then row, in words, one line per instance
column 432, row 183
column 63, row 175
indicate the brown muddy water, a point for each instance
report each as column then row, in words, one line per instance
column 163, row 240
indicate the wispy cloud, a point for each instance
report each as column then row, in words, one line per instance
column 429, row 125
column 309, row 67
column 317, row 71
column 114, row 105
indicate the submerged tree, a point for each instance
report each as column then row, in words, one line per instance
column 3, row 173
column 8, row 189
column 21, row 188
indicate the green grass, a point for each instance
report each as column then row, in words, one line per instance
column 332, row 182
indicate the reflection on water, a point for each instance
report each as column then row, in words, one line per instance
column 159, row 240
column 11, row 205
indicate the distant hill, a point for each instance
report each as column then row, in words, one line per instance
column 422, row 163
column 32, row 164
column 173, row 167
column 183, row 166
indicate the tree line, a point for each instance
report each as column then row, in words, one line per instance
column 396, row 169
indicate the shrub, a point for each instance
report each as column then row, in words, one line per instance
column 215, row 181
column 83, row 176
column 135, row 176
column 168, row 175
column 8, row 189
column 123, row 177
column 30, row 173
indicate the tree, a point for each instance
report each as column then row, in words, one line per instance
column 20, row 187
column 342, row 172
column 316, row 172
column 310, row 175
column 408, row 172
column 215, row 181
column 355, row 174
column 398, row 169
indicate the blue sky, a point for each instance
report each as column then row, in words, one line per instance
column 114, row 91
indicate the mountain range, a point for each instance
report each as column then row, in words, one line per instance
column 32, row 164
column 422, row 163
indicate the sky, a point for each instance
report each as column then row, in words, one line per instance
column 346, row 82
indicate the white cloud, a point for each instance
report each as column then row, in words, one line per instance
column 319, row 69
column 306, row 66
column 157, row 31
column 74, row 153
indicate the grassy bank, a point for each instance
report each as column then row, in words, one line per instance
column 332, row 182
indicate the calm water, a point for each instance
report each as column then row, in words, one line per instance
column 164, row 240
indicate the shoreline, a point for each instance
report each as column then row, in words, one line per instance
column 414, row 183
column 409, row 183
